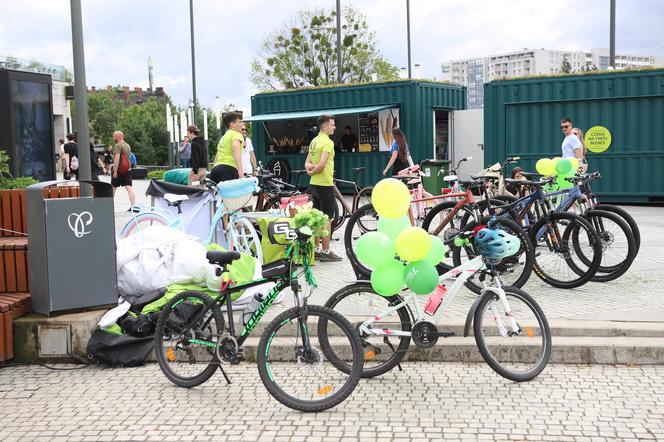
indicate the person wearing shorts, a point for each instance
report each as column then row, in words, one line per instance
column 228, row 160
column 118, row 180
column 320, row 167
column 199, row 156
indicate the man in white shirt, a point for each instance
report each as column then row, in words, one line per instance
column 248, row 157
column 571, row 146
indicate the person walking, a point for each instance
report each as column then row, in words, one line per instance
column 571, row 147
column 399, row 154
column 320, row 167
column 228, row 160
column 583, row 164
column 60, row 156
column 185, row 152
column 122, row 176
column 71, row 157
column 248, row 156
column 94, row 163
column 199, row 156
column 108, row 160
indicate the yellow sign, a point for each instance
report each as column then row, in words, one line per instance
column 598, row 139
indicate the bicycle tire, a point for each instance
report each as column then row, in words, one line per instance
column 340, row 213
column 141, row 221
column 404, row 319
column 483, row 339
column 555, row 218
column 628, row 219
column 481, row 205
column 363, row 197
column 448, row 238
column 165, row 322
column 362, row 227
column 507, row 264
column 598, row 219
column 266, row 371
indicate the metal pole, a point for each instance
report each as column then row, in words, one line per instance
column 410, row 73
column 339, row 73
column 193, row 57
column 612, row 43
column 80, row 95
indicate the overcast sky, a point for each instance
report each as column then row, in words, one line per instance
column 120, row 35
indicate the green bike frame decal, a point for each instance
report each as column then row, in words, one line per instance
column 260, row 311
column 205, row 343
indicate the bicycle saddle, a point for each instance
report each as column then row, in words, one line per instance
column 483, row 177
column 297, row 173
column 221, row 258
column 524, row 182
column 359, row 169
column 450, row 178
column 531, row 175
column 173, row 198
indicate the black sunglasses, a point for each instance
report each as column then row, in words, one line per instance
column 565, row 127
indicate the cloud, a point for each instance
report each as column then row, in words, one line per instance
column 120, row 35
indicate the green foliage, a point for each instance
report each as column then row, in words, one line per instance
column 565, row 67
column 144, row 129
column 17, row 183
column 305, row 52
column 4, row 164
column 156, row 174
column 104, row 111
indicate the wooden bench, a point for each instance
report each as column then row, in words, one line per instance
column 14, row 278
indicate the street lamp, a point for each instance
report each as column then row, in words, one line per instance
column 193, row 58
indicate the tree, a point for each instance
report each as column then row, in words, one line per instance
column 565, row 67
column 144, row 128
column 104, row 111
column 305, row 53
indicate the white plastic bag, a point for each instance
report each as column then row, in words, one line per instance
column 189, row 263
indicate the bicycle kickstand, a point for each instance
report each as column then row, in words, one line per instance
column 228, row 381
column 389, row 344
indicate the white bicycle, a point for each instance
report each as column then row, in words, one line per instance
column 239, row 232
column 511, row 331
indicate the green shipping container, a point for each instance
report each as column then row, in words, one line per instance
column 417, row 102
column 522, row 118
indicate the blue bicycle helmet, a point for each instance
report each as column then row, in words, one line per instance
column 496, row 244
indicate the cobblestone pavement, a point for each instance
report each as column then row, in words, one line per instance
column 426, row 401
column 640, row 288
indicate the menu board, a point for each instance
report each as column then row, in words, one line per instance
column 369, row 133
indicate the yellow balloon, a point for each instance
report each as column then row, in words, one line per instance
column 555, row 160
column 413, row 244
column 575, row 163
column 391, row 198
column 545, row 167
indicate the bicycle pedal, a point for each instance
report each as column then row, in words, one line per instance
column 445, row 334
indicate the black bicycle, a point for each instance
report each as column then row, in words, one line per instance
column 295, row 359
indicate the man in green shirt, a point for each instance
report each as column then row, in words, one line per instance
column 228, row 160
column 320, row 167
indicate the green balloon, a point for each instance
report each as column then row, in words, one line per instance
column 563, row 166
column 563, row 183
column 388, row 279
column 374, row 249
column 393, row 226
column 437, row 251
column 421, row 277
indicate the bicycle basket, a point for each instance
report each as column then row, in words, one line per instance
column 237, row 194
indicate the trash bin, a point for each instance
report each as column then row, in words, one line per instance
column 434, row 172
column 71, row 249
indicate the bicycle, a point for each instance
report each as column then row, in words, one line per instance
column 192, row 339
column 361, row 196
column 272, row 189
column 509, row 326
column 239, row 232
column 554, row 235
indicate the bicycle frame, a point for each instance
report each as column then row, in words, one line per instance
column 465, row 198
column 461, row 273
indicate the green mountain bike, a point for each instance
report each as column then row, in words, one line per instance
column 192, row 339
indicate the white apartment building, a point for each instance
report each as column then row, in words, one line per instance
column 474, row 72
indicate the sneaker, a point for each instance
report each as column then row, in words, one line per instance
column 134, row 209
column 317, row 254
column 329, row 256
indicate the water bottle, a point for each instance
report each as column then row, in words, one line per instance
column 252, row 307
column 435, row 299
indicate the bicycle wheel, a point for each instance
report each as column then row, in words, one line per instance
column 340, row 214
column 556, row 262
column 518, row 355
column 243, row 238
column 514, row 270
column 628, row 219
column 358, row 302
column 302, row 379
column 142, row 221
column 187, row 353
column 618, row 245
column 433, row 223
column 365, row 219
column 363, row 197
